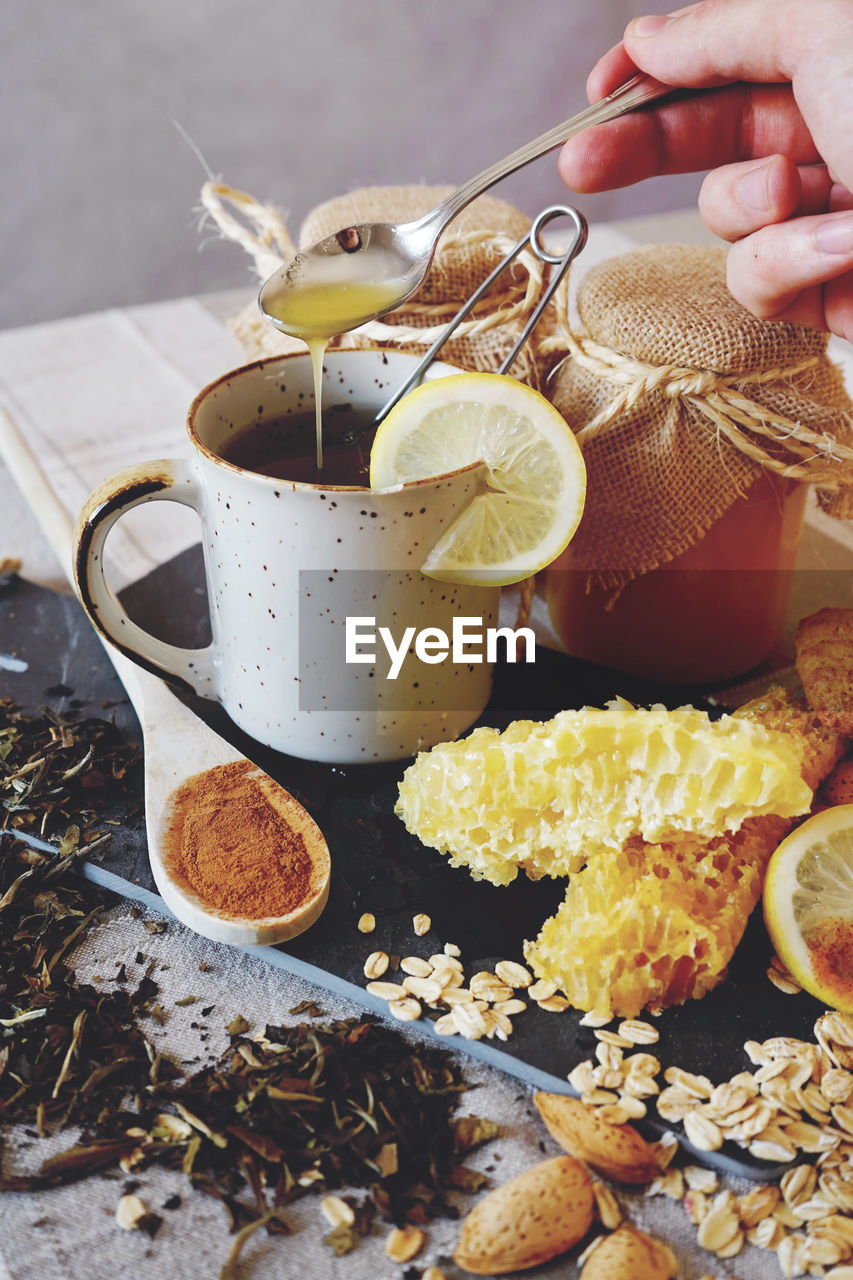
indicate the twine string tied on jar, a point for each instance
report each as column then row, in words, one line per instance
column 807, row 455
column 257, row 228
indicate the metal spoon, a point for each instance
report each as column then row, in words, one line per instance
column 365, row 270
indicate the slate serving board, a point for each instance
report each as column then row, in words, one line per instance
column 378, row 866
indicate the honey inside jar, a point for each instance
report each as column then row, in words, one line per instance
column 710, row 614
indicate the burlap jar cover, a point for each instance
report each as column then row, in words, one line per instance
column 468, row 251
column 680, row 398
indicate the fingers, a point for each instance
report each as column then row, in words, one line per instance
column 828, row 307
column 785, row 270
column 807, row 44
column 738, row 199
column 734, row 123
column 840, row 197
column 777, row 272
column 613, row 69
column 725, row 40
column 838, row 306
column 788, row 70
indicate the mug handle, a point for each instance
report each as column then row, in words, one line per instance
column 171, row 480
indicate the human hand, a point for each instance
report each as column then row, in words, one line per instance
column 775, row 130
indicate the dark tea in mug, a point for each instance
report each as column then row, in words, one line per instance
column 285, row 449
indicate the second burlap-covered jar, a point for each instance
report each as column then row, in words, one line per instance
column 700, row 426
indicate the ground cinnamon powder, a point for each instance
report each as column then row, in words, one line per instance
column 228, row 842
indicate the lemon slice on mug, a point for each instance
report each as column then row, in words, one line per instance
column 534, row 483
column 808, row 905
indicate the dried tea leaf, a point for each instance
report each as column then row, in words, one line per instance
column 308, row 1006
column 82, row 1159
column 69, row 841
column 387, row 1161
column 150, row 1223
column 473, row 1131
column 314, row 1106
column 341, row 1240
column 229, row 1269
column 469, row 1180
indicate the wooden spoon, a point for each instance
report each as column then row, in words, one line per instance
column 177, row 747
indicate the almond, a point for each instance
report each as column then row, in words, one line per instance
column 629, row 1254
column 617, row 1151
column 539, row 1214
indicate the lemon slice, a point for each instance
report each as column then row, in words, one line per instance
column 808, row 905
column 534, row 481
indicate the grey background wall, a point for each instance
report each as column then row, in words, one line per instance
column 294, row 101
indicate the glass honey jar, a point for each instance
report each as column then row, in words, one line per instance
column 709, row 614
column 702, row 428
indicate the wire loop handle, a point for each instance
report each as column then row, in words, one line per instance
column 559, row 261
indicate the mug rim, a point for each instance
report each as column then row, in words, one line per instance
column 273, row 481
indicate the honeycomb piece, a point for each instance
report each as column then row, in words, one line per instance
column 824, row 646
column 546, row 797
column 782, row 710
column 657, row 924
column 654, row 925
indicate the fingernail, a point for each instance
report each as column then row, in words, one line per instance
column 835, row 235
column 649, row 25
column 752, row 189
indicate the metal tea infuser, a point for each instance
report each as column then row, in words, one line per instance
column 559, row 262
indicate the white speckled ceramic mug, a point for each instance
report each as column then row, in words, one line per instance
column 287, row 563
